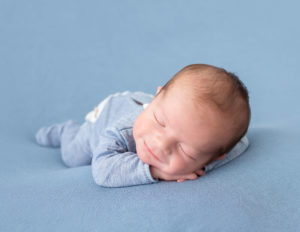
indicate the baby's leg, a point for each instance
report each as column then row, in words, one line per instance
column 50, row 136
column 75, row 148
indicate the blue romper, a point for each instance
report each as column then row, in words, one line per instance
column 105, row 141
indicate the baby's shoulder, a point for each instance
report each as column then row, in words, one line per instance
column 142, row 96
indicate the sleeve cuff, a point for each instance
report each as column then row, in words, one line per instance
column 148, row 175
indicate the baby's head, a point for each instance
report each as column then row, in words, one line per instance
column 198, row 116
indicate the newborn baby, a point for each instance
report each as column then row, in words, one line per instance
column 196, row 122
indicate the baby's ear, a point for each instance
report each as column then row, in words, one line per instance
column 158, row 89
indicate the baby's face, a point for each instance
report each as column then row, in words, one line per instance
column 175, row 137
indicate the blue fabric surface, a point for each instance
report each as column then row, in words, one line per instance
column 59, row 58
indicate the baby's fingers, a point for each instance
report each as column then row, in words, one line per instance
column 192, row 176
column 201, row 172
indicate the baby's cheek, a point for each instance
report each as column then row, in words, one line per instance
column 177, row 167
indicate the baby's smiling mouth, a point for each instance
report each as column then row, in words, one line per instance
column 148, row 149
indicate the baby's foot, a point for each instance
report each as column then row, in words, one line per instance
column 50, row 136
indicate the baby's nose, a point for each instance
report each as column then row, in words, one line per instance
column 163, row 146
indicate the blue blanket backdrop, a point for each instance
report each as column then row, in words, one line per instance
column 58, row 59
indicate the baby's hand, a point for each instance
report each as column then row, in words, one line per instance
column 158, row 174
column 200, row 172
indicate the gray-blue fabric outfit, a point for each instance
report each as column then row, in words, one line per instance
column 105, row 141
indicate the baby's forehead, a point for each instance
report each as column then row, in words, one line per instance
column 185, row 120
column 198, row 118
column 186, row 99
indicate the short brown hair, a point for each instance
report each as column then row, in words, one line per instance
column 223, row 91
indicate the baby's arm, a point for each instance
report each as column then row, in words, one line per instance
column 114, row 166
column 237, row 150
